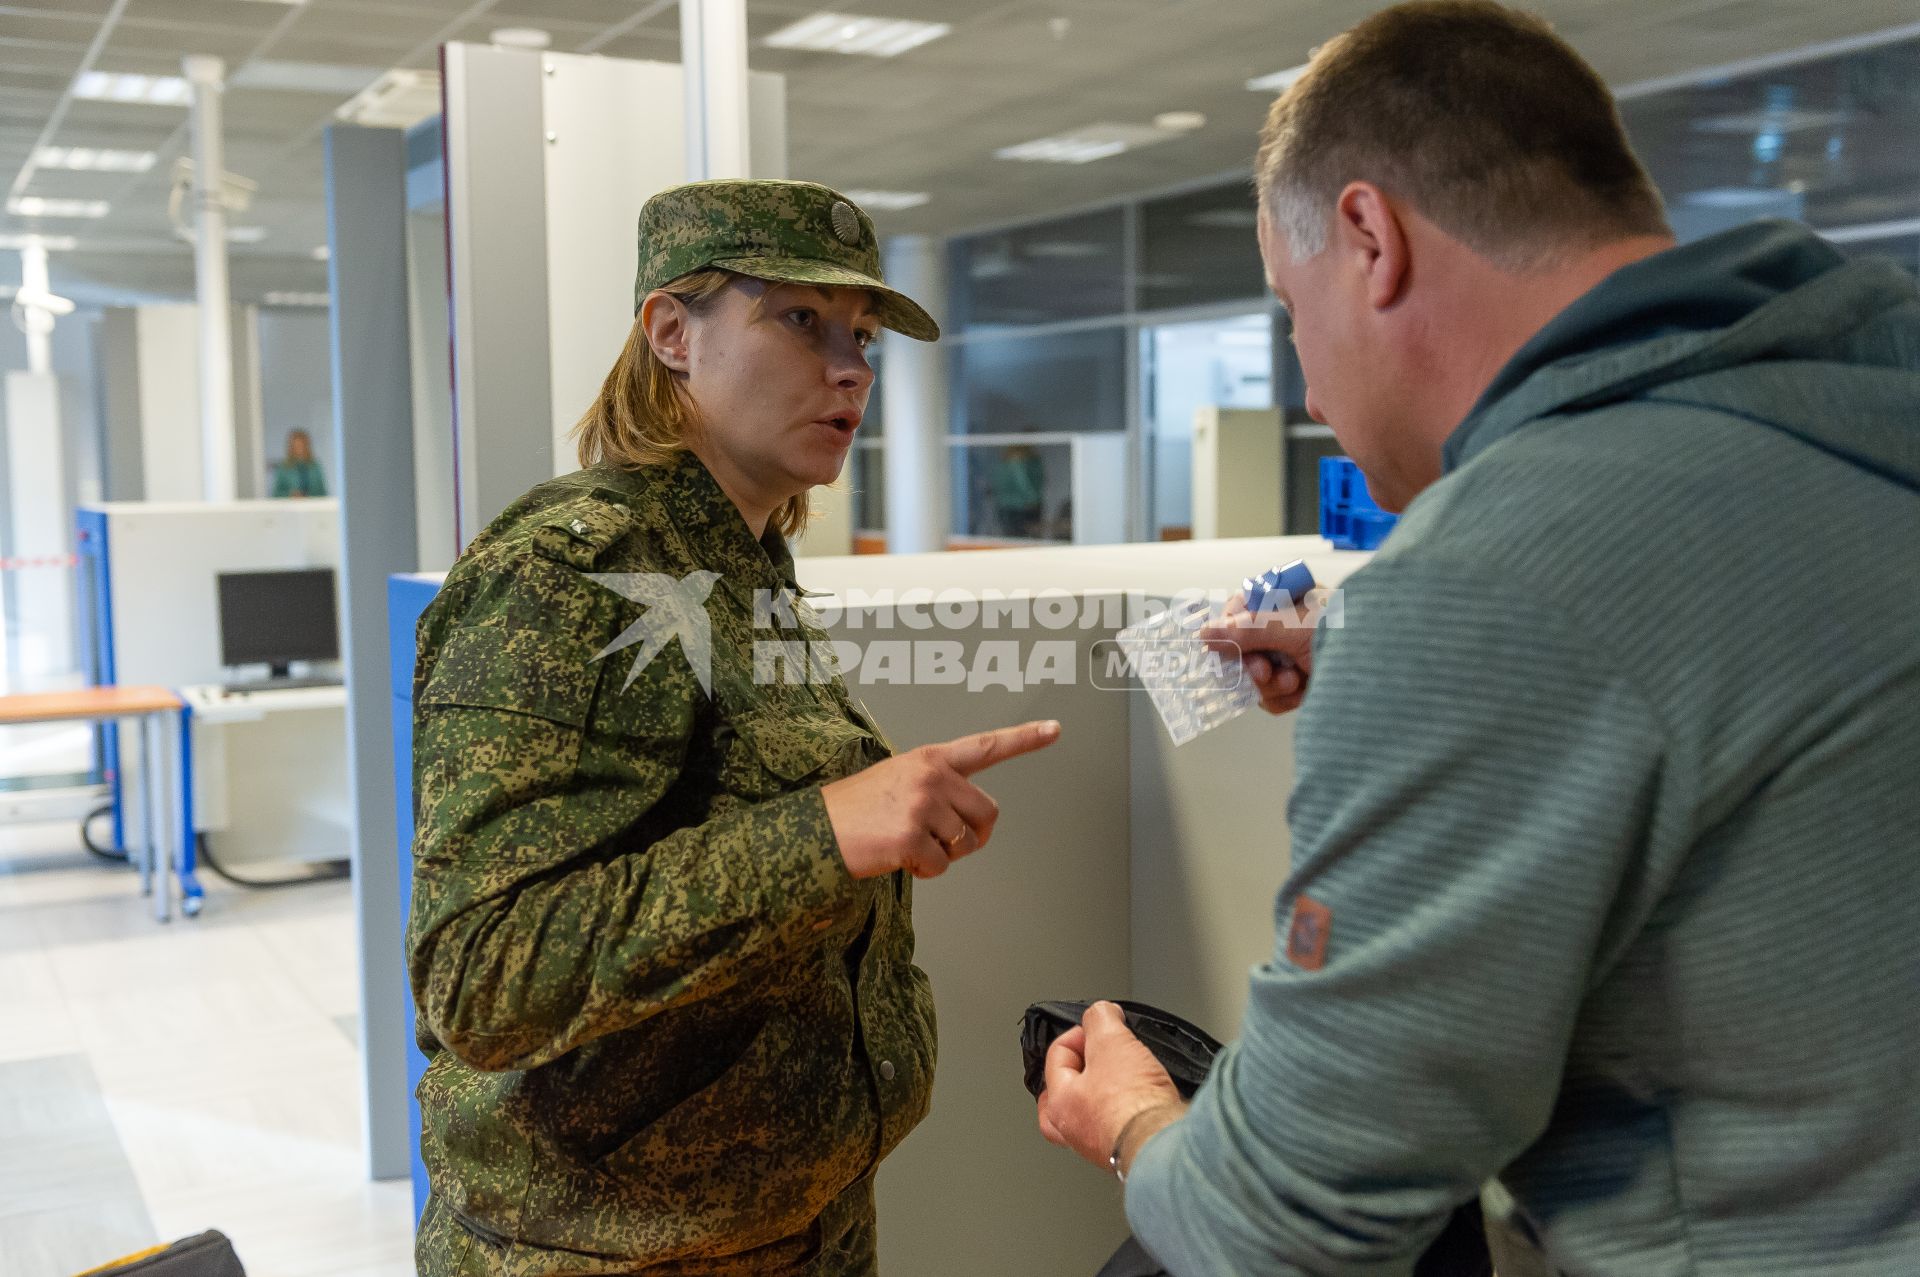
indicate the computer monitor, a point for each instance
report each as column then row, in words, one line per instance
column 277, row 617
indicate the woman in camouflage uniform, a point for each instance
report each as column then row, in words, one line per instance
column 660, row 942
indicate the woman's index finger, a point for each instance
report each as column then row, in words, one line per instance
column 975, row 753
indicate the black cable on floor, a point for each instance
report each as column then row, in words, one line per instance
column 86, row 839
column 331, row 871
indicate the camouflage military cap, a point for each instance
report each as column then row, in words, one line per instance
column 790, row 232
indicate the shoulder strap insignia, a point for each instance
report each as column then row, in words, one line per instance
column 578, row 532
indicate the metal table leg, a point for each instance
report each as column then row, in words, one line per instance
column 147, row 854
column 191, row 895
column 163, row 830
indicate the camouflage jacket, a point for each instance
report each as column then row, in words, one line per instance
column 666, row 1030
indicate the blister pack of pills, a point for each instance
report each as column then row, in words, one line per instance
column 1194, row 690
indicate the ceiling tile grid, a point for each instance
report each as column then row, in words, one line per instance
column 1007, row 72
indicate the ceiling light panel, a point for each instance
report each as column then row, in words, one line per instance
column 1278, row 81
column 41, row 206
column 52, row 243
column 1738, row 197
column 133, row 89
column 304, row 77
column 850, row 33
column 137, row 90
column 1085, row 145
column 1776, row 119
column 889, row 201
column 89, row 159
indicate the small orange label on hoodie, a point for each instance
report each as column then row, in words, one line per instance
column 1308, row 933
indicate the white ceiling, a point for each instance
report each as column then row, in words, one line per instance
column 928, row 120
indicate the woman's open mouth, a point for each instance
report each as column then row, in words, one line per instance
column 843, row 424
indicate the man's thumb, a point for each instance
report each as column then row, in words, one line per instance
column 1103, row 1018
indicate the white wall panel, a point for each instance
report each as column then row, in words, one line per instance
column 613, row 128
column 168, row 342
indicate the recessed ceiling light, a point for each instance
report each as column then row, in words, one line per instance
column 1278, row 81
column 1180, row 121
column 40, row 206
column 321, row 254
column 892, row 201
column 52, row 243
column 520, row 38
column 1736, row 197
column 850, row 33
column 246, row 234
column 1065, row 249
column 1772, row 120
column 299, row 299
column 93, row 159
column 140, row 90
column 1084, row 145
column 304, row 77
column 1231, row 219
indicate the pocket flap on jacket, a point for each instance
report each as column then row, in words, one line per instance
column 523, row 671
column 794, row 747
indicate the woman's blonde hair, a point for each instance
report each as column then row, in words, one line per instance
column 643, row 414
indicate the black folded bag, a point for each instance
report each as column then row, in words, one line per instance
column 208, row 1255
column 1186, row 1051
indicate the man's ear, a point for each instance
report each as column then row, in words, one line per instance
column 666, row 321
column 1367, row 224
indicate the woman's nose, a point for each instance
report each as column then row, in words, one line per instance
column 853, row 372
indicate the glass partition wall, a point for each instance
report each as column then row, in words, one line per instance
column 1095, row 336
column 1121, row 320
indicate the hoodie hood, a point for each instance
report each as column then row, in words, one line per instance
column 1766, row 321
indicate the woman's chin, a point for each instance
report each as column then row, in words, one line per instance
column 820, row 470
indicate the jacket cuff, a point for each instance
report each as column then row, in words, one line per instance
column 805, row 879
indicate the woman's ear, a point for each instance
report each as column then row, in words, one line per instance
column 665, row 319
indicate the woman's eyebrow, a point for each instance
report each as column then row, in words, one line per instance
column 871, row 309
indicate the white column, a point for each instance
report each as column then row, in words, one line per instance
column 914, row 399
column 713, row 58
column 42, row 520
column 42, row 531
column 39, row 319
column 207, row 75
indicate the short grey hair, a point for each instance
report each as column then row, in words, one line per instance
column 1478, row 115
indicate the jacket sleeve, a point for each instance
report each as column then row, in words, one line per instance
column 554, row 900
column 1478, row 799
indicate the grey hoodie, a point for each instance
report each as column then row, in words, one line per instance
column 1607, row 822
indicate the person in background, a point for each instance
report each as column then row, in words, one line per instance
column 299, row 474
column 1019, row 491
column 661, row 939
column 1605, row 877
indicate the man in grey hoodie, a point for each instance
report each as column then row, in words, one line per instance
column 1606, row 831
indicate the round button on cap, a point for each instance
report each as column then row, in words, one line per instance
column 886, row 1070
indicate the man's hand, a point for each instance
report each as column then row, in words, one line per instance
column 1099, row 1078
column 1275, row 647
column 919, row 811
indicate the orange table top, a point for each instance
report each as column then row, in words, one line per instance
column 85, row 703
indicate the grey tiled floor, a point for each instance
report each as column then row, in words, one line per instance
column 157, row 1081
column 66, row 1189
